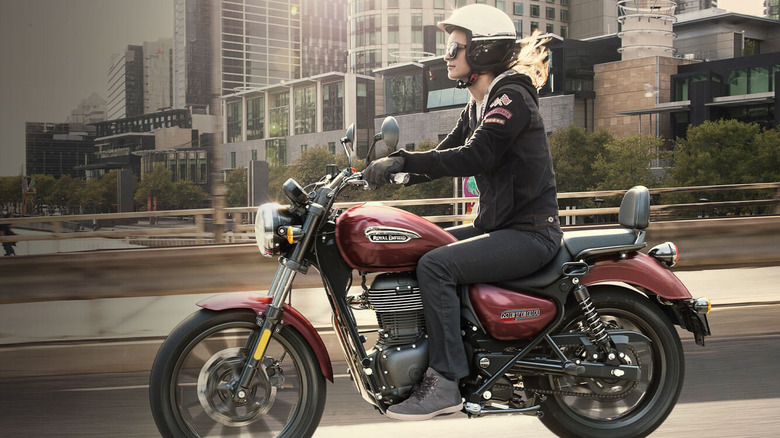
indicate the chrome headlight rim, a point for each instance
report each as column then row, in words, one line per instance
column 269, row 220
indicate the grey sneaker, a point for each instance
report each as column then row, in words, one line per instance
column 435, row 396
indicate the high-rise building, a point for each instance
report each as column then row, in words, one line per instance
column 157, row 89
column 382, row 33
column 225, row 46
column 695, row 5
column 772, row 9
column 125, row 84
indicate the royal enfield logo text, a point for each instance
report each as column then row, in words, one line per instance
column 520, row 314
column 389, row 235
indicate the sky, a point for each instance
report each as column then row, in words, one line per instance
column 56, row 53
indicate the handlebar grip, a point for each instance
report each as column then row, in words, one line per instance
column 399, row 178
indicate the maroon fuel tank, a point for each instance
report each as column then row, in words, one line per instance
column 374, row 237
column 508, row 315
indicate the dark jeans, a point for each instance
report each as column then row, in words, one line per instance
column 477, row 257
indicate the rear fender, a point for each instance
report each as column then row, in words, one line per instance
column 641, row 270
column 258, row 304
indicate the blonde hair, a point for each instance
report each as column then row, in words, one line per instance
column 533, row 59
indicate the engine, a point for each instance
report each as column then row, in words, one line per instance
column 399, row 312
column 401, row 351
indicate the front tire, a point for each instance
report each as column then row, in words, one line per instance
column 610, row 408
column 188, row 383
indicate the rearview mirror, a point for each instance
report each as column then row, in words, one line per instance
column 389, row 133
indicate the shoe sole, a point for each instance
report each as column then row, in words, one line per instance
column 422, row 417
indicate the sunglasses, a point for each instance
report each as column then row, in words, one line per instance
column 452, row 50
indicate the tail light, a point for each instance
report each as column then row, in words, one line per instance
column 666, row 253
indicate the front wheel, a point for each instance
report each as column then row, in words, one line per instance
column 189, row 385
column 611, row 408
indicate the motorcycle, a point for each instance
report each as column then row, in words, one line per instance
column 587, row 344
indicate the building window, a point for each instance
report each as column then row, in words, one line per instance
column 333, row 106
column 518, row 8
column 438, row 4
column 392, row 4
column 738, row 82
column 550, row 13
column 519, row 27
column 416, row 4
column 417, row 29
column 550, row 1
column 534, row 26
column 255, row 118
column 332, row 147
column 549, row 28
column 565, row 31
column 279, row 115
column 233, row 160
column 254, row 154
column 392, row 28
column 276, row 152
column 403, row 94
column 203, row 171
column 759, row 79
column 535, row 10
column 304, row 148
column 564, row 2
column 565, row 15
column 305, row 110
column 501, row 5
column 234, row 121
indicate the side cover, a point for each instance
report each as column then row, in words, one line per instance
column 258, row 303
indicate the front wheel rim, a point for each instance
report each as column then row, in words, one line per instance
column 199, row 385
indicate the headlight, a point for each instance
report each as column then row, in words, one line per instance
column 270, row 228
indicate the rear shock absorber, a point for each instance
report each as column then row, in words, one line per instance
column 597, row 330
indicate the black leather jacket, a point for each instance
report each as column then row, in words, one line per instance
column 505, row 148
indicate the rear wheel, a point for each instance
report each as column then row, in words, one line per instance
column 189, row 383
column 577, row 406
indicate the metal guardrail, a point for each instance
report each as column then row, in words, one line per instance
column 155, row 227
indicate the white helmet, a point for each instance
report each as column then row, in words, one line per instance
column 490, row 36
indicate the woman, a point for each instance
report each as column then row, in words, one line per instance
column 501, row 141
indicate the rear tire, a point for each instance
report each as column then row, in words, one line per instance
column 187, row 385
column 636, row 410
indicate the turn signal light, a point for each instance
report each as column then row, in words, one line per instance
column 702, row 305
column 666, row 253
column 294, row 234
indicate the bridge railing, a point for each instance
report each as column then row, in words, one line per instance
column 198, row 226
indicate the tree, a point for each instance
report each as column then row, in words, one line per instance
column 236, row 185
column 625, row 162
column 186, row 194
column 99, row 194
column 66, row 194
column 157, row 184
column 10, row 189
column 725, row 152
column 573, row 151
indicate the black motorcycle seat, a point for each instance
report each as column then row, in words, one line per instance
column 574, row 243
column 578, row 241
column 543, row 277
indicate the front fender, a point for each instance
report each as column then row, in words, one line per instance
column 258, row 303
column 638, row 269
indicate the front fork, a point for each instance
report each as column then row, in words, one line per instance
column 280, row 289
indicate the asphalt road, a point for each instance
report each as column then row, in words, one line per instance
column 732, row 389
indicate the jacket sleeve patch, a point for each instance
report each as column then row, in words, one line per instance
column 503, row 100
column 494, row 120
column 500, row 111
